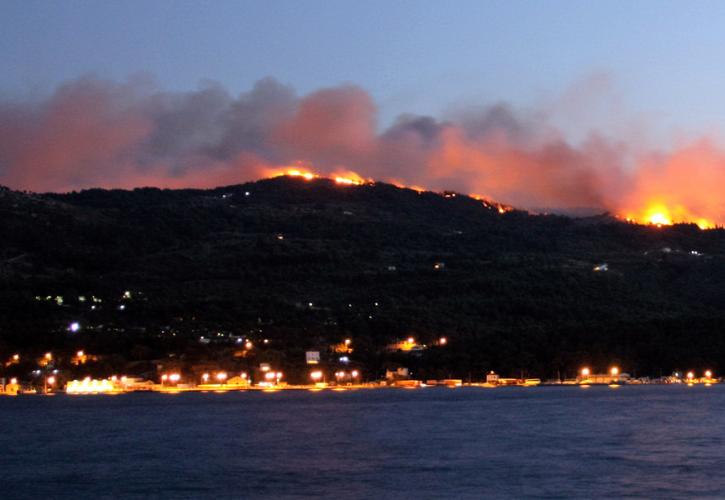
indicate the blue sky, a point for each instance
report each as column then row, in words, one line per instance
column 663, row 58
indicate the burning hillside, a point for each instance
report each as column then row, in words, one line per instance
column 92, row 133
column 655, row 214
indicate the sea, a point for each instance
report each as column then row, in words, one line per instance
column 538, row 442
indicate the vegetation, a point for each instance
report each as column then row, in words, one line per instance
column 306, row 264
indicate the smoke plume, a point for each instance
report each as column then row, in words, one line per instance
column 95, row 133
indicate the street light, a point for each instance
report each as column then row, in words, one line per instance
column 585, row 372
column 46, row 382
column 221, row 376
column 708, row 374
column 316, row 375
column 614, row 371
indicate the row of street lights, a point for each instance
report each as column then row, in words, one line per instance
column 614, row 371
column 269, row 376
column 319, row 376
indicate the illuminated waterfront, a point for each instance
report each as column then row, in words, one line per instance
column 650, row 441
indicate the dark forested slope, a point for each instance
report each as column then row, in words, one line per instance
column 308, row 263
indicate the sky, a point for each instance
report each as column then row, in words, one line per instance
column 644, row 78
column 666, row 57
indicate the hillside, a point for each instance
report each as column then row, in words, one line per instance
column 306, row 264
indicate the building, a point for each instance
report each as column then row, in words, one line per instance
column 398, row 374
column 603, row 378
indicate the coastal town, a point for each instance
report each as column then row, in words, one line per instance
column 223, row 361
column 267, row 379
column 248, row 365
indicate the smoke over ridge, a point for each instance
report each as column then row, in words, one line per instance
column 96, row 133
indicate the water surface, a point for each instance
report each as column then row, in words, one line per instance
column 545, row 442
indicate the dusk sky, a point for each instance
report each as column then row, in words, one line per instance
column 664, row 58
column 611, row 90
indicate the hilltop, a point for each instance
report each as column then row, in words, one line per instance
column 305, row 264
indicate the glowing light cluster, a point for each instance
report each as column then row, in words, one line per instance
column 171, row 377
column 89, row 386
column 272, row 376
column 342, row 374
column 408, row 344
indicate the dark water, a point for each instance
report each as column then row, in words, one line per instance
column 654, row 442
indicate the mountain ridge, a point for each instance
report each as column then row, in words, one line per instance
column 513, row 291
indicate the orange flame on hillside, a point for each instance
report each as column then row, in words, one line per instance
column 343, row 178
column 684, row 186
column 659, row 214
column 653, row 212
column 350, row 178
column 308, row 176
column 401, row 185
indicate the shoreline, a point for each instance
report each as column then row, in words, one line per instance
column 334, row 388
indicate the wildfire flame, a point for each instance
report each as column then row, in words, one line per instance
column 654, row 213
column 308, row 176
column 342, row 178
column 659, row 214
column 350, row 178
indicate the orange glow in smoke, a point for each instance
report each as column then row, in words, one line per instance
column 658, row 214
column 684, row 186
